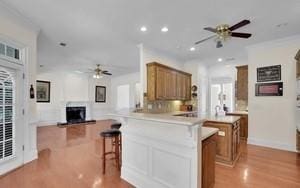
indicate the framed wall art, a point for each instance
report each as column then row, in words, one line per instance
column 43, row 91
column 100, row 94
column 268, row 74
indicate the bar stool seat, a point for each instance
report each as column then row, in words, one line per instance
column 116, row 125
column 110, row 133
column 115, row 136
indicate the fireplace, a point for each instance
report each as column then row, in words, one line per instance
column 75, row 114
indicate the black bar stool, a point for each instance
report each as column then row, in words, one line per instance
column 115, row 135
column 115, row 125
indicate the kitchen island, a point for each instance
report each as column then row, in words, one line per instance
column 162, row 150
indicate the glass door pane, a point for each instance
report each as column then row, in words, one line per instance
column 215, row 92
column 228, row 95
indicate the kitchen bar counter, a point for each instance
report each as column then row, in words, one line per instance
column 177, row 117
column 153, row 143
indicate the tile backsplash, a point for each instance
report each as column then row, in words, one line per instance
column 241, row 105
column 161, row 106
column 165, row 106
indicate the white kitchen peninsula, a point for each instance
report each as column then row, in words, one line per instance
column 160, row 150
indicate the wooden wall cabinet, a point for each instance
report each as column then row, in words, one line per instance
column 242, row 83
column 166, row 83
column 208, row 161
column 228, row 141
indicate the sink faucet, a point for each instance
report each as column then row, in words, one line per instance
column 217, row 109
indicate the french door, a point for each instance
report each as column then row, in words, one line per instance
column 220, row 94
column 11, row 116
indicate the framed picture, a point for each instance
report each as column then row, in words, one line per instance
column 269, row 89
column 100, row 95
column 42, row 91
column 268, row 74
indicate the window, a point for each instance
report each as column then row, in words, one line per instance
column 6, row 116
column 9, row 51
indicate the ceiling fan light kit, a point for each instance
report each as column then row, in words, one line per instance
column 99, row 73
column 224, row 32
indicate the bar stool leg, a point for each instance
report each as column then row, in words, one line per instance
column 103, row 156
column 120, row 141
column 117, row 154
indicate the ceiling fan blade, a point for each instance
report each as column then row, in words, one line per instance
column 106, row 73
column 205, row 39
column 210, row 29
column 241, row 35
column 238, row 25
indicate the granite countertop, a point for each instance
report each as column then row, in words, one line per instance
column 160, row 117
column 222, row 119
column 207, row 132
column 173, row 117
column 238, row 112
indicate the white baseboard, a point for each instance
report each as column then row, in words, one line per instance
column 30, row 156
column 272, row 144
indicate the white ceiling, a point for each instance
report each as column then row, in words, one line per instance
column 107, row 31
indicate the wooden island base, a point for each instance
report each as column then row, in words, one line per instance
column 228, row 141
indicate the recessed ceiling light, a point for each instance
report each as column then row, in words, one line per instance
column 164, row 29
column 143, row 29
column 192, row 49
column 220, row 59
column 63, row 44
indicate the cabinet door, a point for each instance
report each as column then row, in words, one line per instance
column 208, row 161
column 188, row 90
column 224, row 140
column 179, row 86
column 160, row 83
column 242, row 83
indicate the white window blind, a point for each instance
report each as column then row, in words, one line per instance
column 7, row 139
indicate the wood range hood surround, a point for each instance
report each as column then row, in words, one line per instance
column 167, row 83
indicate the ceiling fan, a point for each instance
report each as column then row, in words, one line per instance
column 98, row 72
column 224, row 32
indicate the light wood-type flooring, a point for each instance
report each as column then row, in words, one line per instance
column 71, row 158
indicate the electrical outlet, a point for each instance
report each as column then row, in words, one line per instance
column 149, row 106
column 221, row 133
column 159, row 105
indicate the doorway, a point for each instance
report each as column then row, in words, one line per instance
column 11, row 116
column 221, row 94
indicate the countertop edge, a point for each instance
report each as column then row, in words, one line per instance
column 206, row 132
column 182, row 122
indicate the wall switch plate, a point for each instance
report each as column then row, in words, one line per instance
column 159, row 105
column 221, row 133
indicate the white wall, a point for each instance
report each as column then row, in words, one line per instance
column 15, row 28
column 128, row 79
column 272, row 119
column 200, row 79
column 149, row 56
column 71, row 87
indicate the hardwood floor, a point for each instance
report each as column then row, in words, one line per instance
column 68, row 158
column 260, row 167
column 71, row 157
